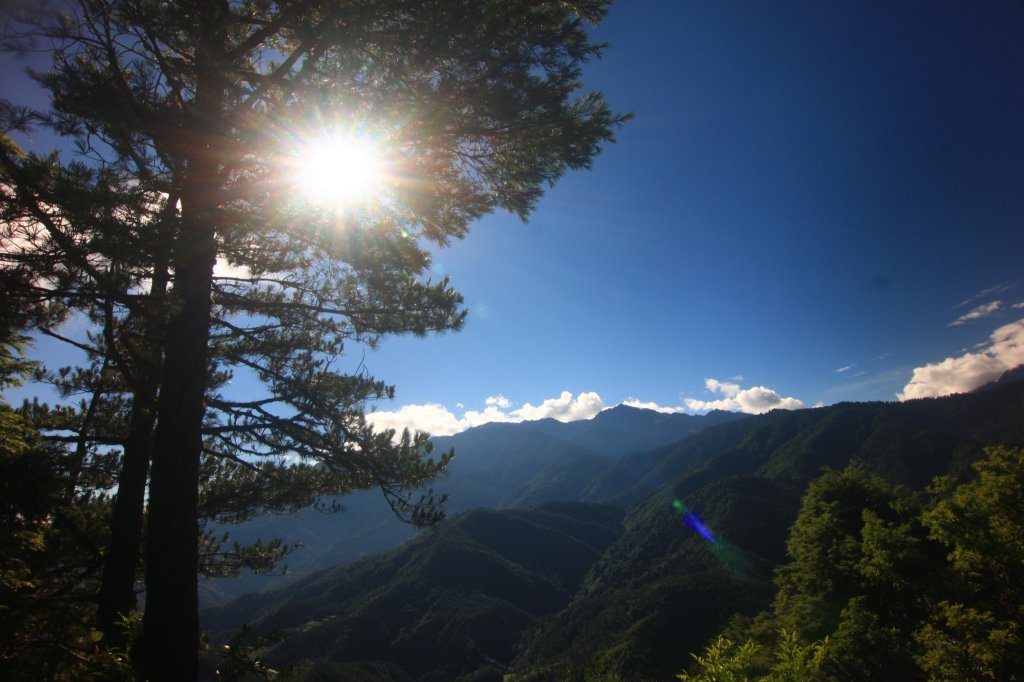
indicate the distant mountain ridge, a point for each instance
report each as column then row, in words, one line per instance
column 496, row 466
column 658, row 590
column 493, row 575
column 618, row 430
column 611, row 433
column 643, row 597
column 1007, row 377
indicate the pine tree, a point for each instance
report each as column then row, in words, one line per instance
column 186, row 115
column 52, row 507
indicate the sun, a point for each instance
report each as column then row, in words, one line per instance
column 339, row 170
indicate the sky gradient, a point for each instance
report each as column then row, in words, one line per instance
column 815, row 203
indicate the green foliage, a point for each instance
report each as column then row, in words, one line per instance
column 966, row 643
column 642, row 598
column 859, row 572
column 976, row 627
column 51, row 533
column 451, row 603
column 723, row 660
column 239, row 659
column 726, row 661
column 898, row 589
column 841, row 540
column 797, row 662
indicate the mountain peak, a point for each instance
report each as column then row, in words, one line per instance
column 1008, row 377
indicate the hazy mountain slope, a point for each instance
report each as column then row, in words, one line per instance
column 637, row 475
column 623, row 429
column 662, row 589
column 449, row 603
column 497, row 466
column 364, row 526
column 494, row 463
column 493, row 469
column 564, row 589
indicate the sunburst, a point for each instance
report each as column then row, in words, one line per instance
column 340, row 170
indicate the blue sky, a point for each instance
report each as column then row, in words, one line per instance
column 816, row 202
column 806, row 188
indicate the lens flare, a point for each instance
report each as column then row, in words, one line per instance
column 731, row 558
column 693, row 521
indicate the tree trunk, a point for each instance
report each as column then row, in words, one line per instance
column 170, row 641
column 171, row 623
column 117, row 588
column 116, row 598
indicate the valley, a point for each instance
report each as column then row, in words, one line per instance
column 582, row 564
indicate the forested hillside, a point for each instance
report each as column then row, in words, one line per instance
column 691, row 556
column 662, row 590
column 496, row 466
column 452, row 602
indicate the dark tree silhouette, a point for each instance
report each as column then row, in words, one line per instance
column 185, row 115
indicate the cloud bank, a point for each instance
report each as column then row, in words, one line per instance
column 1004, row 350
column 564, row 408
column 438, row 420
column 753, row 400
column 633, row 402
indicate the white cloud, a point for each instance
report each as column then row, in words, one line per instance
column 491, row 413
column 633, row 402
column 438, row 420
column 564, row 408
column 845, row 368
column 1018, row 306
column 432, row 418
column 983, row 310
column 1004, row 350
column 753, row 400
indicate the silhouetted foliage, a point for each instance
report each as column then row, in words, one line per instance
column 184, row 118
column 52, row 532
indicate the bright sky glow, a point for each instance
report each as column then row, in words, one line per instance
column 816, row 202
column 806, row 188
column 339, row 170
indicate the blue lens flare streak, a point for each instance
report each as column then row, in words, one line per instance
column 730, row 557
column 693, row 521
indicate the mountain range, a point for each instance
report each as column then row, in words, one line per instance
column 496, row 466
column 634, row 567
